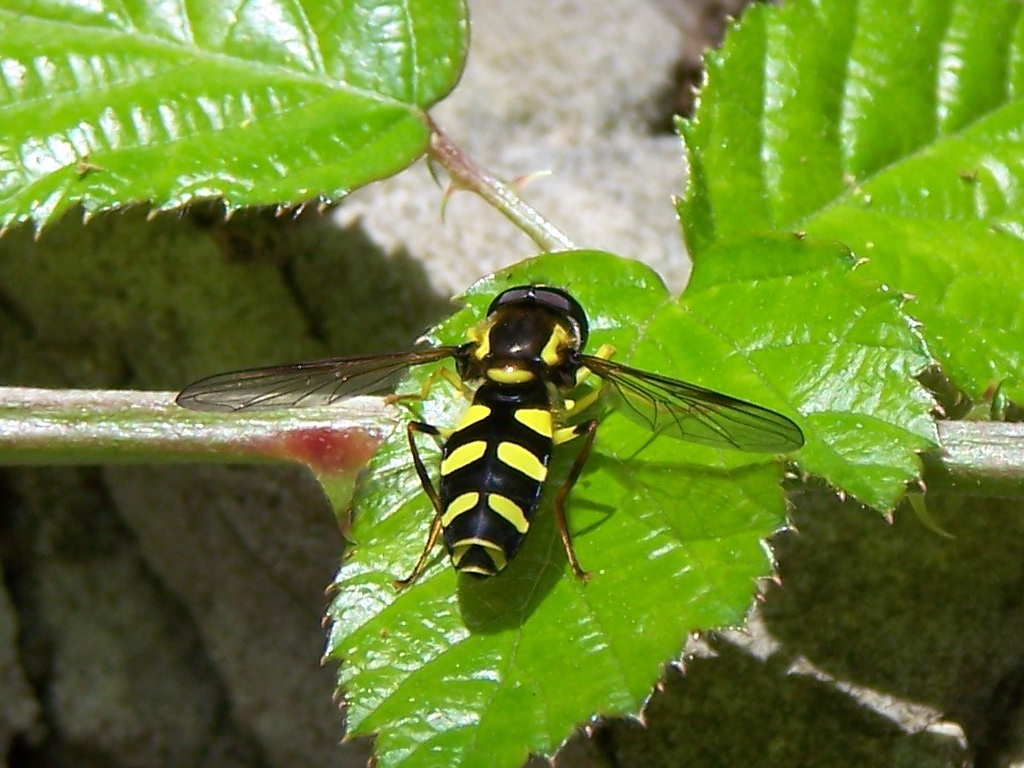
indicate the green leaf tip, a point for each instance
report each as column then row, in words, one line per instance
column 108, row 105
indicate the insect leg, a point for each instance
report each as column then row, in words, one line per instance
column 441, row 372
column 564, row 435
column 428, row 488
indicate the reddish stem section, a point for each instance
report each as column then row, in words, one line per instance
column 326, row 450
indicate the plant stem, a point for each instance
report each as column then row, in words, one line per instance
column 465, row 174
column 49, row 426
column 992, row 449
column 69, row 426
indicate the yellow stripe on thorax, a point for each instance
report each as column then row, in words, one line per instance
column 557, row 341
column 481, row 336
column 520, row 458
column 463, row 455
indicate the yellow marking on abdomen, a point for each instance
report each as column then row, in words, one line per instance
column 459, row 504
column 461, row 547
column 509, row 510
column 520, row 458
column 463, row 455
column 509, row 375
column 537, row 419
column 475, row 413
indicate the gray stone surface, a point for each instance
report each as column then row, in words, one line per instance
column 115, row 661
column 571, row 87
column 20, row 708
column 249, row 551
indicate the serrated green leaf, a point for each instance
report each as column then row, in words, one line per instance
column 893, row 127
column 800, row 329
column 106, row 104
column 470, row 673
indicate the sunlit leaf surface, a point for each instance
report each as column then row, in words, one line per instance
column 462, row 672
column 893, row 127
column 107, row 103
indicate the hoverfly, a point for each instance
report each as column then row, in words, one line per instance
column 528, row 355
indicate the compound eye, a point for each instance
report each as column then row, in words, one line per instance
column 511, row 296
column 554, row 299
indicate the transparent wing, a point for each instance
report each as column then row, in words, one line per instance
column 302, row 385
column 688, row 412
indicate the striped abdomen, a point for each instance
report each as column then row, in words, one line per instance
column 492, row 473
